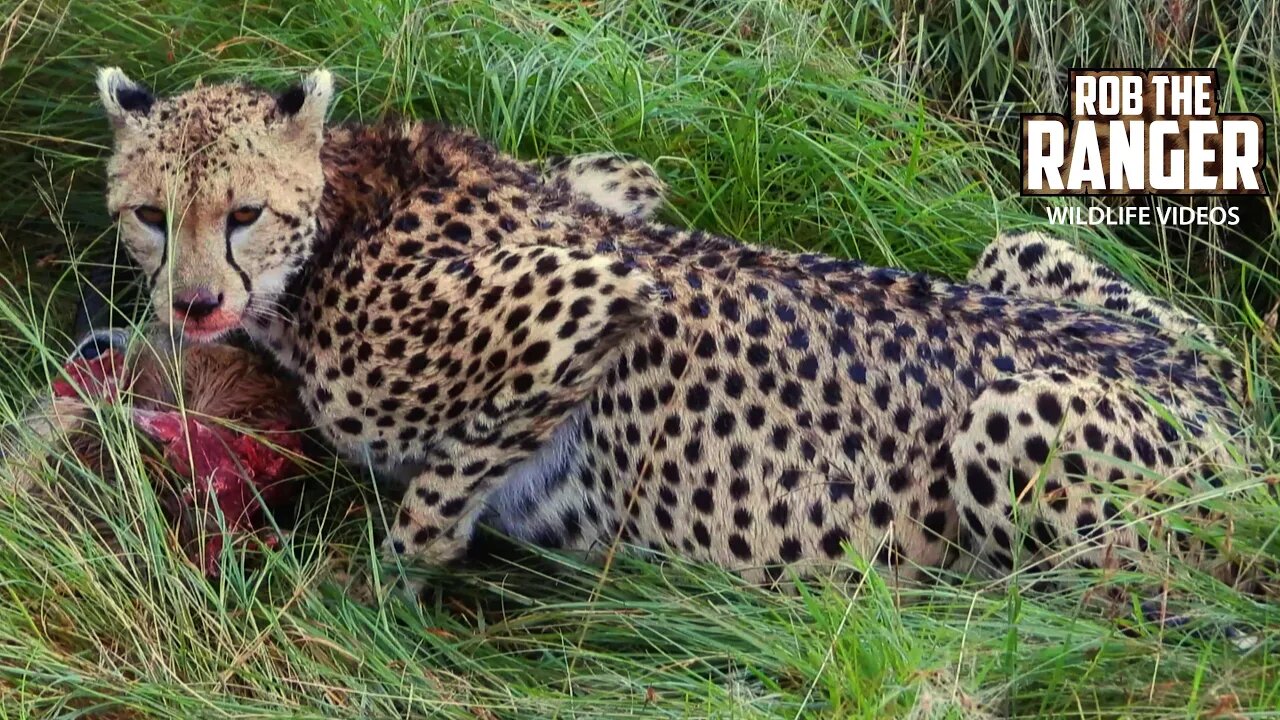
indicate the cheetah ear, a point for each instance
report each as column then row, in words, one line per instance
column 304, row 105
column 122, row 97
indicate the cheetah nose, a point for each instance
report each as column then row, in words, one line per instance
column 196, row 304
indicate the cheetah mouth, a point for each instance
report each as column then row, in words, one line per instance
column 208, row 331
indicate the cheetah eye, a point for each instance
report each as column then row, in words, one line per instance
column 152, row 216
column 243, row 216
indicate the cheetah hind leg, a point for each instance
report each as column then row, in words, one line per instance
column 615, row 182
column 1061, row 471
column 1043, row 267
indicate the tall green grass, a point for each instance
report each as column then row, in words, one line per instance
column 880, row 130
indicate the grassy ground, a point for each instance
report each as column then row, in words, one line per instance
column 876, row 130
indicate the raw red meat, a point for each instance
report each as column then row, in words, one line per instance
column 237, row 474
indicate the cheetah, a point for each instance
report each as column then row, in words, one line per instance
column 578, row 375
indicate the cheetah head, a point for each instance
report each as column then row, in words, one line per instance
column 216, row 192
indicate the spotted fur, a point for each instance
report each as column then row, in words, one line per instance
column 577, row 377
column 615, row 182
column 1039, row 266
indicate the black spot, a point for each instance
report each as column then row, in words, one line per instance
column 671, row 473
column 668, row 325
column 1073, row 465
column 781, row 437
column 980, row 485
column 852, row 445
column 1020, row 482
column 536, row 352
column 697, row 398
column 407, row 222
column 791, row 394
column 517, row 317
column 453, row 507
column 998, row 428
column 780, row 513
column 647, row 401
column 1037, row 449
column 1049, row 408
column 705, row 347
column 839, row 488
column 1031, row 255
column 790, row 550
column 888, row 449
column 457, row 232
column 881, row 513
column 1087, row 524
column 724, row 424
column 701, row 535
column 833, row 542
column 734, row 384
column 936, row 523
column 883, row 394
column 1000, row 536
column 729, row 308
column 679, row 361
column 1146, row 453
column 974, row 524
column 703, row 501
column 350, row 425
column 817, row 515
column 693, row 451
column 1093, row 438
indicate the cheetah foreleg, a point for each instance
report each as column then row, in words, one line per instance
column 566, row 316
column 438, row 513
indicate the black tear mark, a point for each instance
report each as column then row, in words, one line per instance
column 231, row 260
column 164, row 257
